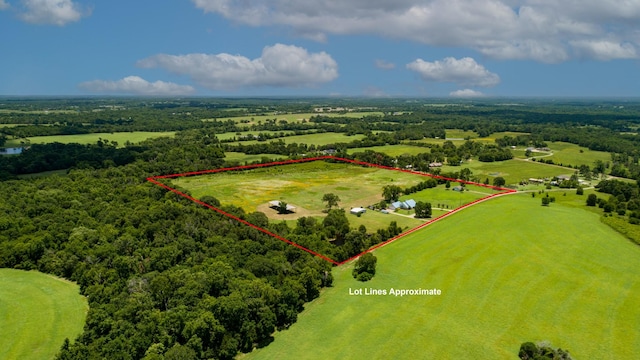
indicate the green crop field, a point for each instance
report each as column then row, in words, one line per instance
column 316, row 139
column 120, row 137
column 37, row 312
column 509, row 271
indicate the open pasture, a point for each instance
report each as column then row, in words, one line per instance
column 513, row 171
column 303, row 184
column 231, row 135
column 37, row 312
column 120, row 137
column 571, row 154
column 242, row 158
column 316, row 139
column 393, row 150
column 450, row 198
column 297, row 117
column 509, row 270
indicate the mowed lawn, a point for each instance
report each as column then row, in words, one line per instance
column 37, row 312
column 509, row 270
column 120, row 137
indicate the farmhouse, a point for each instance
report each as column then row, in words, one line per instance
column 358, row 210
column 275, row 204
column 407, row 205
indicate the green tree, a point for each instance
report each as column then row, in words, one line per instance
column 282, row 207
column 545, row 201
column 592, row 199
column 331, row 199
column 499, row 181
column 423, row 210
column 579, row 191
column 365, row 267
column 391, row 192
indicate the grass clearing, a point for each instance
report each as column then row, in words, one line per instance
column 298, row 117
column 231, row 135
column 37, row 312
column 242, row 158
column 316, row 139
column 510, row 271
column 513, row 171
column 571, row 154
column 120, row 137
column 393, row 150
column 302, row 185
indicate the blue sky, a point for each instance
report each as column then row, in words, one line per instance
column 433, row 48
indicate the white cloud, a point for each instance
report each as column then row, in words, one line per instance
column 384, row 65
column 465, row 71
column 543, row 30
column 3, row 5
column 279, row 65
column 50, row 12
column 604, row 50
column 466, row 93
column 136, row 85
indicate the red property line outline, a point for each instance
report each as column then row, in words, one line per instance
column 154, row 180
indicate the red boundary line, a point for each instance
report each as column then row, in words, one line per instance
column 154, row 180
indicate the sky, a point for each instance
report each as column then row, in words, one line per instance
column 372, row 48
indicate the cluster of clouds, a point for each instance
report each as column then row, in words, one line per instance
column 282, row 66
column 543, row 30
column 137, row 85
column 279, row 66
column 47, row 12
column 548, row 31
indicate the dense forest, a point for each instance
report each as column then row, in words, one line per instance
column 168, row 278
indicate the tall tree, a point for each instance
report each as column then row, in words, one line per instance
column 331, row 199
column 423, row 210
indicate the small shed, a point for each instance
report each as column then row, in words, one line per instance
column 358, row 210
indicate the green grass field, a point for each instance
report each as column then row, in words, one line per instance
column 509, row 270
column 301, row 185
column 254, row 119
column 121, row 138
column 511, row 170
column 231, row 135
column 316, row 139
column 241, row 158
column 569, row 154
column 393, row 150
column 37, row 312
